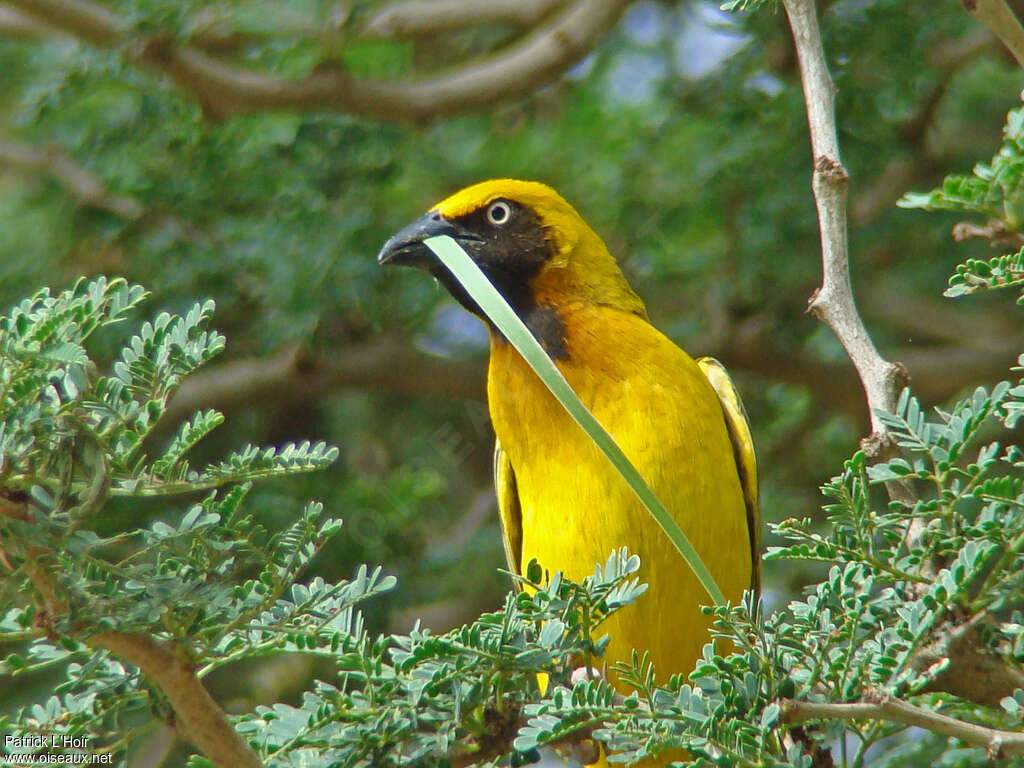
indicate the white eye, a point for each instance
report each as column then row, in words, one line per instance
column 499, row 212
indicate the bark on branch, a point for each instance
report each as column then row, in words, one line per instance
column 17, row 25
column 392, row 364
column 416, row 18
column 225, row 88
column 198, row 716
column 1001, row 22
column 387, row 363
column 200, row 719
column 997, row 743
column 833, row 302
column 86, row 187
column 973, row 672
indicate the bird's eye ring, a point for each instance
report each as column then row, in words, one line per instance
column 499, row 213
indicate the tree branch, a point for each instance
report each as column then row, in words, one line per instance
column 213, row 36
column 386, row 363
column 972, row 673
column 201, row 720
column 416, row 18
column 89, row 21
column 833, row 302
column 88, row 188
column 995, row 231
column 1001, row 22
column 392, row 364
column 18, row 25
column 197, row 715
column 997, row 743
column 225, row 89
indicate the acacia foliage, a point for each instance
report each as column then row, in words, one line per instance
column 211, row 580
column 279, row 215
column 223, row 590
column 697, row 180
column 993, row 191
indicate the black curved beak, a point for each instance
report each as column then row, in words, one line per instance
column 406, row 248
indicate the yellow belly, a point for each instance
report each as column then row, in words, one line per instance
column 576, row 509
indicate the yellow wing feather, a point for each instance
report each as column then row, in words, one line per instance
column 508, row 508
column 738, row 424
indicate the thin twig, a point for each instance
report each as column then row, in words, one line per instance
column 1001, row 22
column 833, row 302
column 225, row 88
column 997, row 743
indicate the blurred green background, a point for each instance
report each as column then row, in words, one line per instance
column 681, row 138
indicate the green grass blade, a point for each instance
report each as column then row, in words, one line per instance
column 487, row 297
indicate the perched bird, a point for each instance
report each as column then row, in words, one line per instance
column 679, row 421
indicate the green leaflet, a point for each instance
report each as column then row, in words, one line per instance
column 501, row 314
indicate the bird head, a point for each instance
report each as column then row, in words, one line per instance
column 534, row 247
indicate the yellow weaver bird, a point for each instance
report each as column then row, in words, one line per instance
column 679, row 421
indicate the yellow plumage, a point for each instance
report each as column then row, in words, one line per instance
column 575, row 509
column 678, row 420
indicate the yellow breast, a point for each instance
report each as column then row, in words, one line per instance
column 660, row 408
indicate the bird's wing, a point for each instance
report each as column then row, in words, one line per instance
column 743, row 449
column 508, row 508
